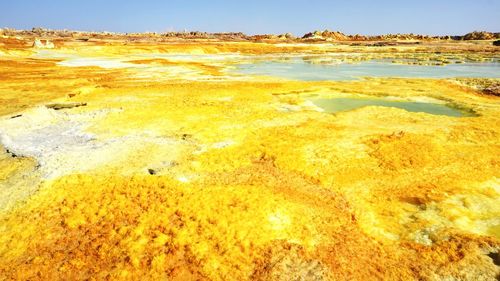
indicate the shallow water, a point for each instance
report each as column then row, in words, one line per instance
column 344, row 104
column 299, row 69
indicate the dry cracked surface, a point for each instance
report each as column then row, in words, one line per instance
column 143, row 161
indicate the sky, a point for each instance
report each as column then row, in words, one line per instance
column 432, row 17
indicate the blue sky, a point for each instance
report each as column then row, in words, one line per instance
column 434, row 17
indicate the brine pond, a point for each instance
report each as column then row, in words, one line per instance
column 332, row 105
column 299, row 69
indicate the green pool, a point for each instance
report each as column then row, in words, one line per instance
column 333, row 105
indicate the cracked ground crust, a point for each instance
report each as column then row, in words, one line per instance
column 251, row 192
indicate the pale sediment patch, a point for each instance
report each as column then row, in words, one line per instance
column 223, row 144
column 61, row 145
column 166, row 72
column 421, row 99
column 142, row 71
column 182, row 57
column 100, row 62
column 310, row 105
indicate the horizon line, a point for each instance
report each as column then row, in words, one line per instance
column 234, row 32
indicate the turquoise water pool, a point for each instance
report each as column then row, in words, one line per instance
column 299, row 69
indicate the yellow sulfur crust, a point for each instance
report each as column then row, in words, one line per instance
column 179, row 169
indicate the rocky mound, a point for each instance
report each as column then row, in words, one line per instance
column 326, row 35
column 339, row 36
column 284, row 36
column 43, row 45
column 206, row 35
column 481, row 35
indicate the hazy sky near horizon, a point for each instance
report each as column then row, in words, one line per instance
column 433, row 17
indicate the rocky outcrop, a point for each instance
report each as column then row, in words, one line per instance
column 286, row 36
column 493, row 90
column 39, row 44
column 487, row 86
column 481, row 35
column 326, row 35
column 339, row 36
column 59, row 106
column 205, row 35
column 259, row 37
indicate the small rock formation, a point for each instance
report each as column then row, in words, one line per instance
column 326, row 35
column 40, row 45
column 59, row 106
column 480, row 35
column 335, row 35
column 259, row 37
column 286, row 36
column 312, row 35
column 493, row 90
column 487, row 86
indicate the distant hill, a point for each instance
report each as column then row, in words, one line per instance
column 325, row 35
column 339, row 36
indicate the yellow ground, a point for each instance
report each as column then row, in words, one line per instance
column 202, row 174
